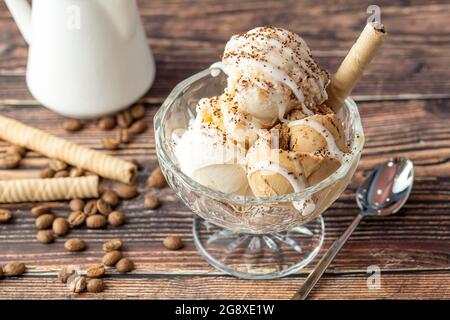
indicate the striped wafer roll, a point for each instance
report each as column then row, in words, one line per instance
column 76, row 155
column 34, row 190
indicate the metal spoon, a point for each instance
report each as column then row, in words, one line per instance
column 383, row 193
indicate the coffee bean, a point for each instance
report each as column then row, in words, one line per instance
column 14, row 268
column 151, row 201
column 77, row 284
column 76, row 218
column 65, row 273
column 44, row 221
column 95, row 285
column 111, row 258
column 124, row 136
column 76, row 172
column 95, row 271
column 136, row 163
column 137, row 111
column 76, row 205
column 96, row 221
column 57, row 165
column 107, row 123
column 74, row 245
column 90, row 208
column 116, row 218
column 40, row 210
column 17, row 149
column 138, row 127
column 60, row 226
column 45, row 236
column 5, row 216
column 10, row 160
column 72, row 125
column 173, row 243
column 110, row 143
column 111, row 245
column 156, row 179
column 46, row 173
column 111, row 198
column 103, row 207
column 124, row 265
column 61, row 174
column 125, row 191
column 124, row 119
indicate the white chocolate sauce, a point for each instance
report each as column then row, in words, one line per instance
column 306, row 206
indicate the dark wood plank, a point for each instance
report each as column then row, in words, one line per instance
column 187, row 38
column 393, row 286
column 416, row 239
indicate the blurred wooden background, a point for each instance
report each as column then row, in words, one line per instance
column 404, row 101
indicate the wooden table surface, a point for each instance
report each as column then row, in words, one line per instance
column 404, row 102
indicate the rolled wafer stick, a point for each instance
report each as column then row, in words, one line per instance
column 33, row 190
column 354, row 64
column 76, row 155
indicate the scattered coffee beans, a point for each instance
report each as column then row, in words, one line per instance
column 14, row 268
column 124, row 265
column 72, row 125
column 124, row 119
column 103, row 207
column 57, row 165
column 95, row 285
column 17, row 149
column 138, row 127
column 156, row 179
column 116, row 218
column 151, row 201
column 111, row 258
column 110, row 143
column 137, row 111
column 76, row 172
column 10, row 160
column 46, row 173
column 173, row 243
column 44, row 221
column 74, row 245
column 96, row 271
column 5, row 216
column 111, row 245
column 61, row 174
column 90, row 208
column 77, row 284
column 111, row 198
column 125, row 191
column 45, row 236
column 76, row 218
column 124, row 136
column 96, row 221
column 65, row 273
column 60, row 227
column 107, row 123
column 76, row 205
column 40, row 210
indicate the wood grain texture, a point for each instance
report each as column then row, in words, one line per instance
column 405, row 107
column 187, row 38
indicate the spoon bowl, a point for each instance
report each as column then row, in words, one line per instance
column 387, row 188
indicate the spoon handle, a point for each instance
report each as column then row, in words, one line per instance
column 323, row 264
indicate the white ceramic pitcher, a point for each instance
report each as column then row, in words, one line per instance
column 87, row 58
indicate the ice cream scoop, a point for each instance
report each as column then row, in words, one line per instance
column 270, row 72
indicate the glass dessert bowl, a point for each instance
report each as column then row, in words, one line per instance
column 253, row 237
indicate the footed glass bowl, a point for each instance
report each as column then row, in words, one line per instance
column 246, row 236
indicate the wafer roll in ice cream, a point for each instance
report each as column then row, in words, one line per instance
column 354, row 64
column 32, row 190
column 76, row 155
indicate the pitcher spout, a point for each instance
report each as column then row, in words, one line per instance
column 21, row 12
